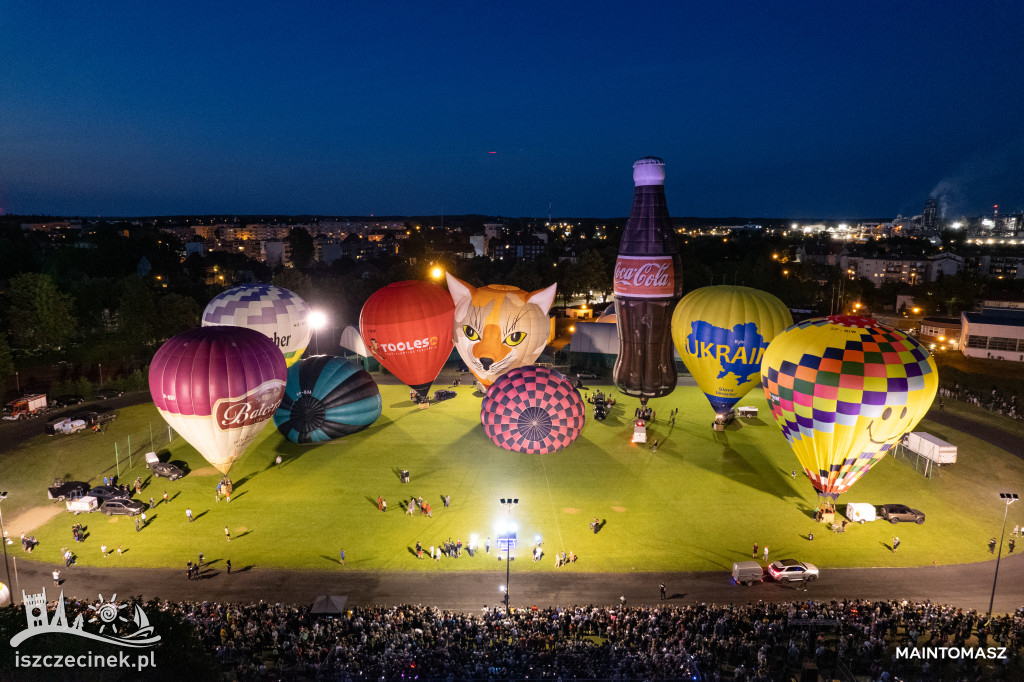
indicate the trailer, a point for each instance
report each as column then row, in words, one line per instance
column 859, row 512
column 930, row 447
column 83, row 505
column 68, row 426
column 25, row 406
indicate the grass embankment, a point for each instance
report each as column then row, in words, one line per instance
column 698, row 503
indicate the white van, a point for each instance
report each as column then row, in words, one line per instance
column 747, row 572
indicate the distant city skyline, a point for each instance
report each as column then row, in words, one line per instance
column 788, row 110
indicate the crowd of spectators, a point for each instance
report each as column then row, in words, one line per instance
column 993, row 401
column 756, row 641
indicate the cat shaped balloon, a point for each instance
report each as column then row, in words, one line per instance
column 499, row 327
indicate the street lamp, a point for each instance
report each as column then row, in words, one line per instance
column 3, row 541
column 1008, row 498
column 509, row 503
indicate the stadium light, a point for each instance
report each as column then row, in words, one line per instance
column 317, row 321
column 509, row 503
column 1008, row 499
column 3, row 541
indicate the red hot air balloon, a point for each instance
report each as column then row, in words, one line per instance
column 218, row 387
column 407, row 327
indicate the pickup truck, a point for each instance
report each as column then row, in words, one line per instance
column 61, row 491
column 83, row 505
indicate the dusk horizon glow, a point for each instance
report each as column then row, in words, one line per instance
column 790, row 110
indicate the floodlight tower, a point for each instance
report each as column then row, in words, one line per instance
column 509, row 503
column 1008, row 499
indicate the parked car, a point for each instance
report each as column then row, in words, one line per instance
column 70, row 489
column 894, row 513
column 110, row 492
column 166, row 470
column 129, row 507
column 67, row 399
column 108, row 393
column 791, row 570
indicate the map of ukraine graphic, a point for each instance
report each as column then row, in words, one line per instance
column 707, row 339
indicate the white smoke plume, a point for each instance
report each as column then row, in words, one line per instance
column 971, row 186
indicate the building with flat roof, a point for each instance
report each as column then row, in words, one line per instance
column 995, row 333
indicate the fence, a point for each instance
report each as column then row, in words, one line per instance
column 130, row 450
column 917, row 462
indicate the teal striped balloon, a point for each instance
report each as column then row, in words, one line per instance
column 326, row 397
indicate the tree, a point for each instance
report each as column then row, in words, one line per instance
column 177, row 313
column 41, row 317
column 301, row 244
column 137, row 316
column 6, row 360
column 296, row 282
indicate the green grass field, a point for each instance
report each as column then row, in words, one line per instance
column 698, row 503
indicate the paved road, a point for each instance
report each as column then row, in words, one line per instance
column 966, row 586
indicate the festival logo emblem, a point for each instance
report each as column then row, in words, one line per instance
column 114, row 623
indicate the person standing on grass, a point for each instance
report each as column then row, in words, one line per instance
column 228, row 564
column 895, row 544
column 766, row 553
column 227, row 533
column 992, row 546
column 755, row 550
column 188, row 514
column 165, row 497
column 103, row 548
column 343, row 556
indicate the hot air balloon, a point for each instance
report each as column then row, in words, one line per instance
column 407, row 327
column 327, row 397
column 276, row 313
column 499, row 327
column 721, row 334
column 534, row 410
column 844, row 390
column 218, row 387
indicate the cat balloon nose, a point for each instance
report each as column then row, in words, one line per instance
column 486, row 363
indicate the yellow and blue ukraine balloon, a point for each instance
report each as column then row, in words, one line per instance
column 721, row 333
column 844, row 390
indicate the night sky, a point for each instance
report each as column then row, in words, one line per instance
column 788, row 109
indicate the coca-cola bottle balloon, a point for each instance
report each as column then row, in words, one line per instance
column 648, row 282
